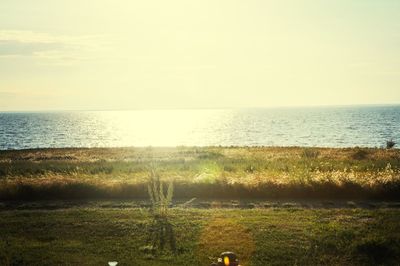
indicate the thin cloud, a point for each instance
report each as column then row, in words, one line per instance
column 29, row 37
column 16, row 48
column 47, row 48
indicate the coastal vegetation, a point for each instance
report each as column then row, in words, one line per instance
column 204, row 173
column 271, row 206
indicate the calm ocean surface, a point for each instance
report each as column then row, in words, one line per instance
column 368, row 126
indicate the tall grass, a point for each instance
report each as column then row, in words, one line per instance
column 311, row 173
column 160, row 200
column 161, row 231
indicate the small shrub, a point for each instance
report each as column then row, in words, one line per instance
column 310, row 154
column 359, row 154
column 390, row 144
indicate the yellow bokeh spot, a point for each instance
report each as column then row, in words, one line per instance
column 226, row 261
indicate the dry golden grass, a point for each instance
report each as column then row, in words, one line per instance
column 220, row 172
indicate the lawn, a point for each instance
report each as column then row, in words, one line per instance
column 88, row 235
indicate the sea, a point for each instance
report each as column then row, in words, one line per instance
column 339, row 126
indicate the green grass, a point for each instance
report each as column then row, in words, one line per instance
column 272, row 236
column 212, row 172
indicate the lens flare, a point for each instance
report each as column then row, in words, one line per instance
column 226, row 261
column 222, row 234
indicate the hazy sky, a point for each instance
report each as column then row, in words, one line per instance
column 124, row 54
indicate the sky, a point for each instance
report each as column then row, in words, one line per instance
column 124, row 54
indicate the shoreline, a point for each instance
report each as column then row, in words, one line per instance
column 266, row 147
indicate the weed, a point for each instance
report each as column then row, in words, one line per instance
column 161, row 230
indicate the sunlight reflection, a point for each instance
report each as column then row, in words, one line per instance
column 163, row 128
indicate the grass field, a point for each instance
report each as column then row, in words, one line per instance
column 272, row 206
column 212, row 172
column 272, row 236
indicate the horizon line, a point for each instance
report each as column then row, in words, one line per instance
column 201, row 108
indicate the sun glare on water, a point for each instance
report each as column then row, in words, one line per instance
column 162, row 128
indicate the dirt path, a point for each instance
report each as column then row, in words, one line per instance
column 200, row 204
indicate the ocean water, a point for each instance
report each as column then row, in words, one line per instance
column 364, row 126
